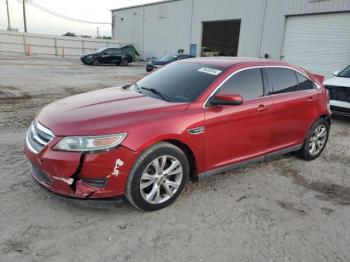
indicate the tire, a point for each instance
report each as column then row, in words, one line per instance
column 125, row 62
column 315, row 141
column 149, row 69
column 118, row 63
column 95, row 62
column 149, row 192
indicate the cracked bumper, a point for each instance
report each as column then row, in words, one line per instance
column 84, row 176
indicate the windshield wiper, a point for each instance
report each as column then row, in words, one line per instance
column 155, row 91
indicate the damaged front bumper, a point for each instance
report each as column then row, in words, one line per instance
column 84, row 176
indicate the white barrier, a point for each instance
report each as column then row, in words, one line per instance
column 51, row 45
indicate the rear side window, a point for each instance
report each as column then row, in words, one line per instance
column 247, row 83
column 304, row 83
column 283, row 80
column 109, row 51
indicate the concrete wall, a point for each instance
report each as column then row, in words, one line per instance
column 165, row 27
column 49, row 45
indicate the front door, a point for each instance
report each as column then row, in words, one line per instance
column 106, row 56
column 238, row 132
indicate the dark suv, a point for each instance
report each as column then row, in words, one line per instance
column 118, row 56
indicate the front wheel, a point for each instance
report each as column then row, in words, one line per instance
column 315, row 141
column 95, row 62
column 158, row 177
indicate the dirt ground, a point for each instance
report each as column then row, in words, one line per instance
column 282, row 210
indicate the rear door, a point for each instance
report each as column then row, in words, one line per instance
column 239, row 132
column 294, row 107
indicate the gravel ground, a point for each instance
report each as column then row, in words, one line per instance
column 282, row 210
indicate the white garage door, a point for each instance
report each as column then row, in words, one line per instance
column 319, row 43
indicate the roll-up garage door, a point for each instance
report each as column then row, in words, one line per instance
column 319, row 43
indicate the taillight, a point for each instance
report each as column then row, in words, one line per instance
column 320, row 78
column 328, row 98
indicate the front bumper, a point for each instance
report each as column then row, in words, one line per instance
column 84, row 176
column 340, row 108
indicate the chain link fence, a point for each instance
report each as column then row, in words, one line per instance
column 50, row 45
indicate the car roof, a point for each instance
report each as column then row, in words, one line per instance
column 227, row 62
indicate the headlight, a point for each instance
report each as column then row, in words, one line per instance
column 90, row 143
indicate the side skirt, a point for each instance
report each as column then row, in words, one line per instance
column 245, row 163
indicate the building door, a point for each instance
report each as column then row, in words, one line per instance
column 319, row 43
column 220, row 38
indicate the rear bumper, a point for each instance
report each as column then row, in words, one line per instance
column 82, row 176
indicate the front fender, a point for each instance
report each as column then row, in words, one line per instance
column 194, row 142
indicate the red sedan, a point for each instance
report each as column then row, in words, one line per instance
column 188, row 120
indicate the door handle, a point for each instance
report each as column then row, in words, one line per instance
column 262, row 108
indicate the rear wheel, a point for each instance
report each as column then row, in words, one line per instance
column 125, row 62
column 315, row 141
column 158, row 177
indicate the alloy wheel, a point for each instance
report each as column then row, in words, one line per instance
column 161, row 179
column 318, row 140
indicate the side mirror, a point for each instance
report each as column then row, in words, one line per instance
column 226, row 99
column 336, row 73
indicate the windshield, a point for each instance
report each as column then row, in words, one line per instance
column 345, row 73
column 167, row 57
column 101, row 49
column 178, row 82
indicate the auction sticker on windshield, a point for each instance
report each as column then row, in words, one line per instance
column 210, row 71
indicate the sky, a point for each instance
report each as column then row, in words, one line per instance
column 41, row 22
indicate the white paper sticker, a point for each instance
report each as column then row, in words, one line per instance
column 210, row 71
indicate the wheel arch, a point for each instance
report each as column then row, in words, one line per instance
column 189, row 154
column 182, row 145
column 327, row 118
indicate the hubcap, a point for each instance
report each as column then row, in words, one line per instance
column 318, row 140
column 161, row 179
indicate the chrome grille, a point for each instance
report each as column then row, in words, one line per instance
column 38, row 137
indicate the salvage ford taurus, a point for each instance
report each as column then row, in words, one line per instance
column 190, row 119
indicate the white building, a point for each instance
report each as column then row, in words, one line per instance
column 314, row 34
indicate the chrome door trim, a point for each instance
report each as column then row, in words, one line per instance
column 256, row 67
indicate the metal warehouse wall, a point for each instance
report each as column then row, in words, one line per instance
column 278, row 10
column 166, row 27
column 155, row 29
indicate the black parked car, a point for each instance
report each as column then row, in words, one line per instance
column 118, row 56
column 155, row 62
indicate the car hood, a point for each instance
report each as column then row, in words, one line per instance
column 159, row 62
column 105, row 111
column 92, row 54
column 338, row 81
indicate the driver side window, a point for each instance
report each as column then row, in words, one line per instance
column 247, row 83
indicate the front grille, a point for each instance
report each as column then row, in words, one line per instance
column 38, row 137
column 339, row 93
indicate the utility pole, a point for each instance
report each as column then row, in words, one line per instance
column 98, row 33
column 8, row 16
column 24, row 16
